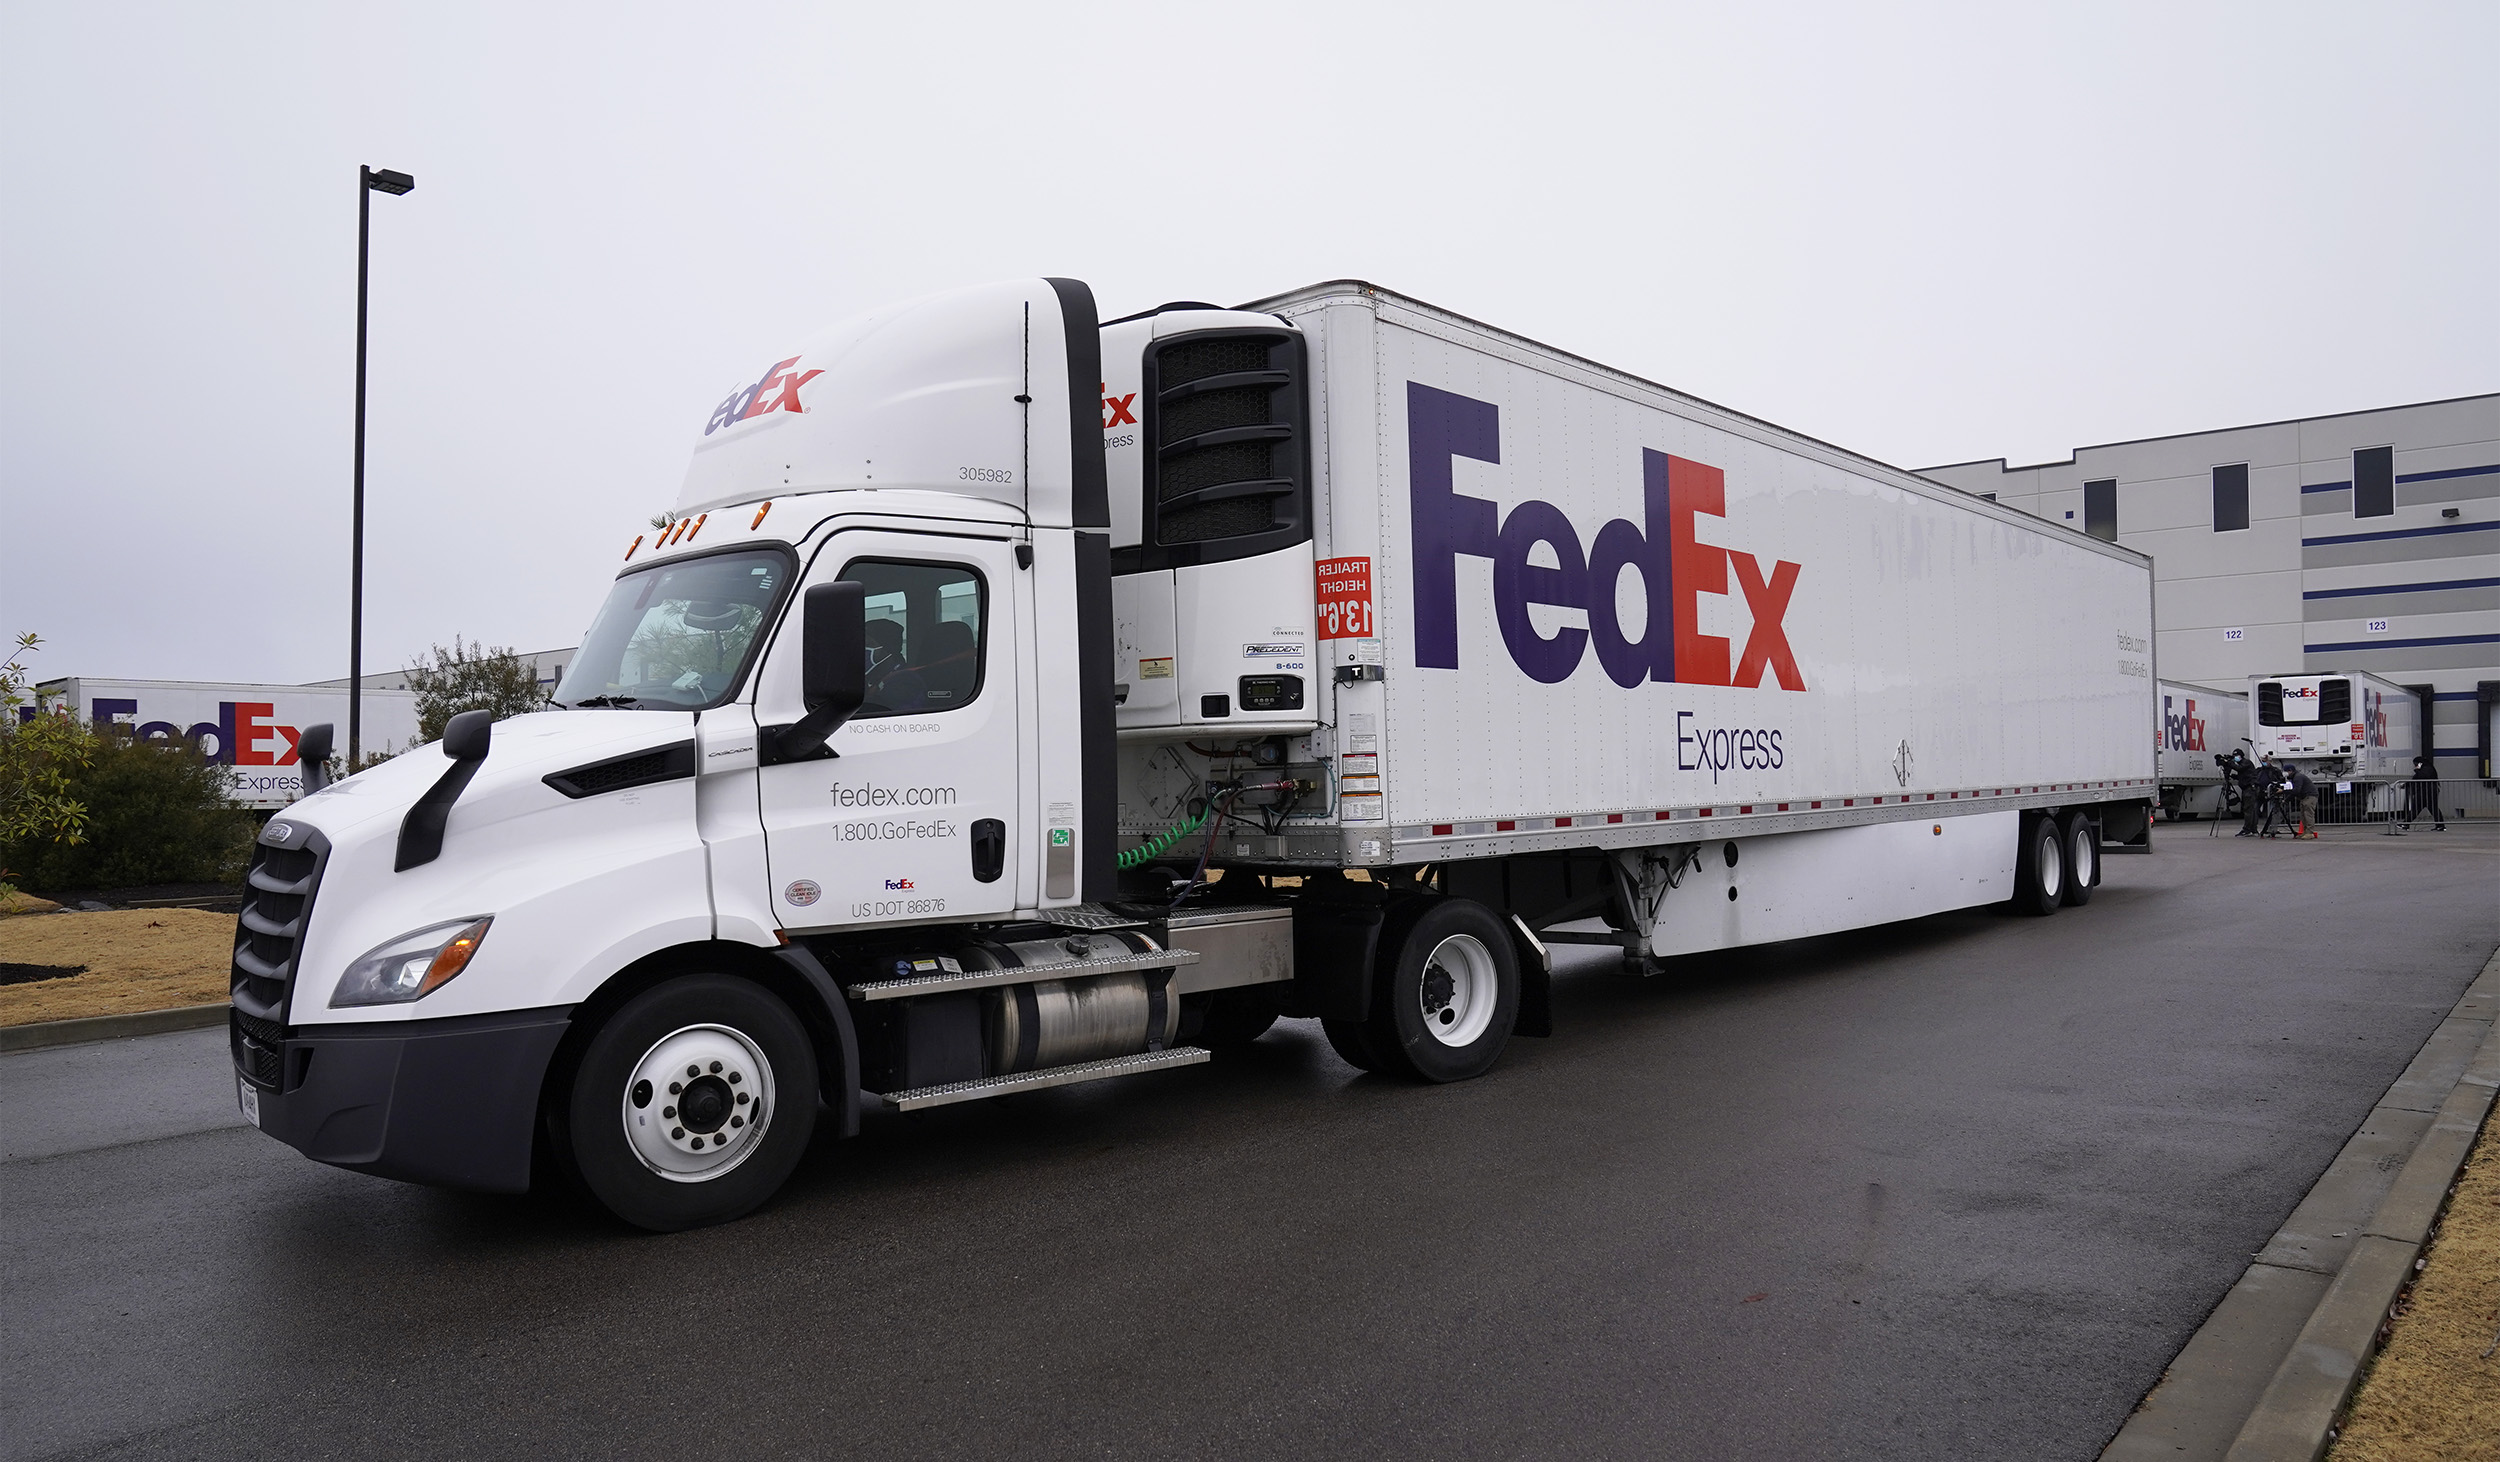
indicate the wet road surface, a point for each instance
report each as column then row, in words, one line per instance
column 1958, row 1188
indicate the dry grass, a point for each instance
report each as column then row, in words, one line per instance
column 136, row 959
column 2435, row 1392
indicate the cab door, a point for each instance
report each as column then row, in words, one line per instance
column 913, row 817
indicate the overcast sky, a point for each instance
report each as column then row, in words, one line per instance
column 1929, row 233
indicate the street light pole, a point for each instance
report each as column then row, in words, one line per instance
column 368, row 182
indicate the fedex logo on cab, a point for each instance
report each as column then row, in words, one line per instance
column 1673, row 566
column 777, row 390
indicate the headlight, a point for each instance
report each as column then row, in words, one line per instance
column 412, row 966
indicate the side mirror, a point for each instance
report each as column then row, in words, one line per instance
column 833, row 651
column 833, row 666
column 466, row 736
column 312, row 753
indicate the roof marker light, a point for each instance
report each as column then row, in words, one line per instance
column 759, row 515
column 698, row 526
column 637, row 548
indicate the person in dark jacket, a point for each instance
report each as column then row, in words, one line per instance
column 2422, row 793
column 2251, row 782
column 2304, row 798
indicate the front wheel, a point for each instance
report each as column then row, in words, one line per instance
column 1448, row 994
column 2040, row 866
column 693, row 1103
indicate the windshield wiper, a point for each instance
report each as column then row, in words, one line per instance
column 608, row 700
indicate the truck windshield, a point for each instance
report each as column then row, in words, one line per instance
column 676, row 637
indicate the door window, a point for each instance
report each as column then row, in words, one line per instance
column 927, row 635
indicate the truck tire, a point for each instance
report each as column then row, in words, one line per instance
column 1237, row 1016
column 1448, row 992
column 1352, row 1041
column 2040, row 865
column 2083, row 859
column 693, row 1103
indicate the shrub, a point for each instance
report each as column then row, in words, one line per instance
column 472, row 678
column 155, row 813
column 38, row 758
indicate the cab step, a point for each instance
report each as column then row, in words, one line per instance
column 941, row 983
column 991, row 1086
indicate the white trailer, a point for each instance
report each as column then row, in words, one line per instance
column 968, row 731
column 251, row 730
column 2196, row 727
column 2341, row 727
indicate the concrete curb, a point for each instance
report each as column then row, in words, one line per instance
column 2269, row 1372
column 110, row 1027
column 2296, row 1417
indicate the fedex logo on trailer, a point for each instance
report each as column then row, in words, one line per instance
column 2184, row 731
column 241, row 736
column 1674, row 568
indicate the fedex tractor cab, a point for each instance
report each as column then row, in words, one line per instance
column 1015, row 700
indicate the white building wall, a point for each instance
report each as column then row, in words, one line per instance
column 2413, row 596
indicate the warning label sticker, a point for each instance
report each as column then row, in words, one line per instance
column 1345, row 598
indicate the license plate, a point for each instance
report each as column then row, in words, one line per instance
column 248, row 1096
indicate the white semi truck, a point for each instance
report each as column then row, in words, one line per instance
column 2197, row 726
column 969, row 730
column 251, row 730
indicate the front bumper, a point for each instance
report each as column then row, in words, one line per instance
column 451, row 1102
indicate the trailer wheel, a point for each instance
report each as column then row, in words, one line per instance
column 693, row 1103
column 1448, row 993
column 2040, row 866
column 2083, row 859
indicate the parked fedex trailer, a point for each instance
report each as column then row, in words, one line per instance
column 968, row 730
column 249, row 729
column 2196, row 728
column 2346, row 726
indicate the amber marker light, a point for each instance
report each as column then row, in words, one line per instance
column 454, row 957
column 637, row 548
column 698, row 526
column 759, row 515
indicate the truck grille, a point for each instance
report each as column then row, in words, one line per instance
column 1227, row 451
column 278, row 889
column 256, row 1047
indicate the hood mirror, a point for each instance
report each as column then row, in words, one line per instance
column 312, row 753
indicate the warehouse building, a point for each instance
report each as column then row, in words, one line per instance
column 2366, row 541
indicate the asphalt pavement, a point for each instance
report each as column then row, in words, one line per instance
column 1956, row 1188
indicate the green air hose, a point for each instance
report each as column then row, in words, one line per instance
column 1155, row 847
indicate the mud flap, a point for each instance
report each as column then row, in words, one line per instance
column 1536, row 982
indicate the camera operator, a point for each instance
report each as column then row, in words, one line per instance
column 2256, row 786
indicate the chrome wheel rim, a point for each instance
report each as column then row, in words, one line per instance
column 1459, row 988
column 698, row 1102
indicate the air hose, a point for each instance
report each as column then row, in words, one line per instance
column 1161, row 843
